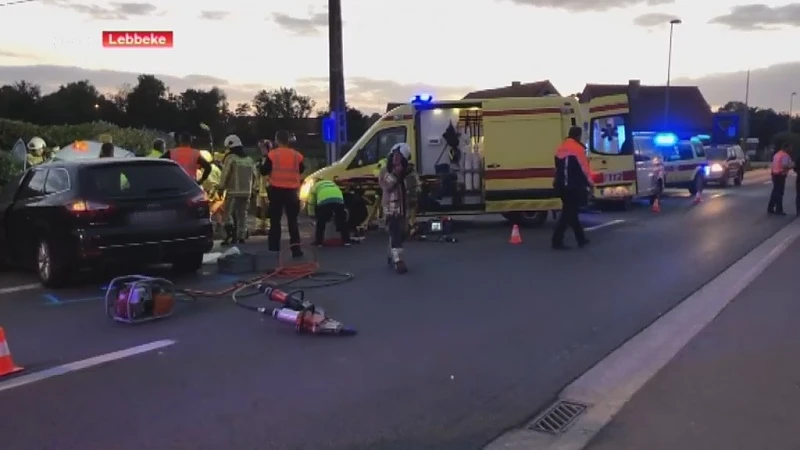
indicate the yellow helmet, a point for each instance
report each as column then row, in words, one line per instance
column 205, row 154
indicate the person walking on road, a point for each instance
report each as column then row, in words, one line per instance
column 781, row 165
column 284, row 166
column 573, row 182
column 398, row 181
column 189, row 158
column 237, row 179
column 326, row 201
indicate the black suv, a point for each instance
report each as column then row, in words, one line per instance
column 61, row 217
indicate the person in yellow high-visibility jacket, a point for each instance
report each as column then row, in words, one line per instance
column 325, row 202
column 262, row 201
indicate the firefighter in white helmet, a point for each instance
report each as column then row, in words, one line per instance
column 36, row 151
column 237, row 180
column 398, row 181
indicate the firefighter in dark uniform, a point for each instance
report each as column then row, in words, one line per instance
column 573, row 182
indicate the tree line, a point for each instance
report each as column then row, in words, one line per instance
column 150, row 104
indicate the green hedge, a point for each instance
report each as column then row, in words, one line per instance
column 135, row 140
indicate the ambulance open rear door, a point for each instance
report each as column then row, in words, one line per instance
column 611, row 151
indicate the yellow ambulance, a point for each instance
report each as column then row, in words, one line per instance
column 492, row 156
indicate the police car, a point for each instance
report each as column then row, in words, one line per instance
column 685, row 163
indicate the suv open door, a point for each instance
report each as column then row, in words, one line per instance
column 611, row 154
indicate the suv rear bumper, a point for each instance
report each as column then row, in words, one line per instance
column 146, row 251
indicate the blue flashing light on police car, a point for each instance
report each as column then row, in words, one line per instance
column 422, row 99
column 665, row 139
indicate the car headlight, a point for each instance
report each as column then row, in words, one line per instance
column 716, row 167
column 305, row 189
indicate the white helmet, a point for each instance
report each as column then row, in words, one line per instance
column 403, row 149
column 36, row 143
column 233, row 141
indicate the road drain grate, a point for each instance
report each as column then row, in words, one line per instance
column 558, row 417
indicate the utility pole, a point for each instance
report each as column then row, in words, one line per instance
column 791, row 109
column 672, row 24
column 746, row 131
column 336, row 79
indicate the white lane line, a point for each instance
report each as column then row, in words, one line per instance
column 20, row 288
column 83, row 364
column 768, row 182
column 718, row 195
column 604, row 225
column 611, row 383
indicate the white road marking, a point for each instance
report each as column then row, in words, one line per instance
column 604, row 225
column 20, row 288
column 768, row 182
column 718, row 195
column 82, row 364
column 611, row 383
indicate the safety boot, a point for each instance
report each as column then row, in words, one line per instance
column 230, row 235
column 398, row 262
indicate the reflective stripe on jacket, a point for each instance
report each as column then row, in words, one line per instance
column 781, row 163
column 285, row 168
column 186, row 157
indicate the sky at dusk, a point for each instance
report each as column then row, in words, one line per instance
column 446, row 47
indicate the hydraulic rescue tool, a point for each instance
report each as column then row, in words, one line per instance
column 138, row 298
column 295, row 310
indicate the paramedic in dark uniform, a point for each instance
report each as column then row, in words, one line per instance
column 573, row 182
column 284, row 166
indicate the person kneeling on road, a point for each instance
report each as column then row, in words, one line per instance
column 237, row 179
column 397, row 180
column 325, row 200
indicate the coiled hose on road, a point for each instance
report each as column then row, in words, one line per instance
column 300, row 276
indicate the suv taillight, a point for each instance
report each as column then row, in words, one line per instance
column 88, row 208
column 200, row 204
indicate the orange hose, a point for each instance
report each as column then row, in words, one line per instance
column 287, row 273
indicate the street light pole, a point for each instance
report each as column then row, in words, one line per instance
column 672, row 24
column 791, row 108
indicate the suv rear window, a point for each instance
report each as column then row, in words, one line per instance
column 140, row 180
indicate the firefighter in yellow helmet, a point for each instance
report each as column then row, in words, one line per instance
column 159, row 146
column 262, row 202
column 237, row 179
column 36, row 151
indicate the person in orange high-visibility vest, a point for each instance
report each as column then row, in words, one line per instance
column 284, row 166
column 189, row 158
column 573, row 182
column 781, row 165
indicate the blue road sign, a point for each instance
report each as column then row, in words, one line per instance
column 329, row 130
column 726, row 128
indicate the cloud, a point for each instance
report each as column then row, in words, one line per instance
column 770, row 87
column 214, row 15
column 115, row 10
column 653, row 20
column 17, row 55
column 371, row 95
column 589, row 5
column 760, row 17
column 366, row 94
column 302, row 26
column 51, row 77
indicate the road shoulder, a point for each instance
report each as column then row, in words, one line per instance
column 735, row 386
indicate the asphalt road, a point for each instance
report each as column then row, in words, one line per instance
column 476, row 339
column 735, row 386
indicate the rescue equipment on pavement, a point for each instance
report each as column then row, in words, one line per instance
column 138, row 298
column 516, row 238
column 436, row 230
column 7, row 366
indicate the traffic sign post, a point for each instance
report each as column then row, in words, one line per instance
column 329, row 137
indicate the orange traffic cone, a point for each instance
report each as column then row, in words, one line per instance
column 656, row 205
column 515, row 236
column 7, row 366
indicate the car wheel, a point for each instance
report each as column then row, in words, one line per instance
column 739, row 177
column 187, row 264
column 527, row 219
column 725, row 181
column 49, row 266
